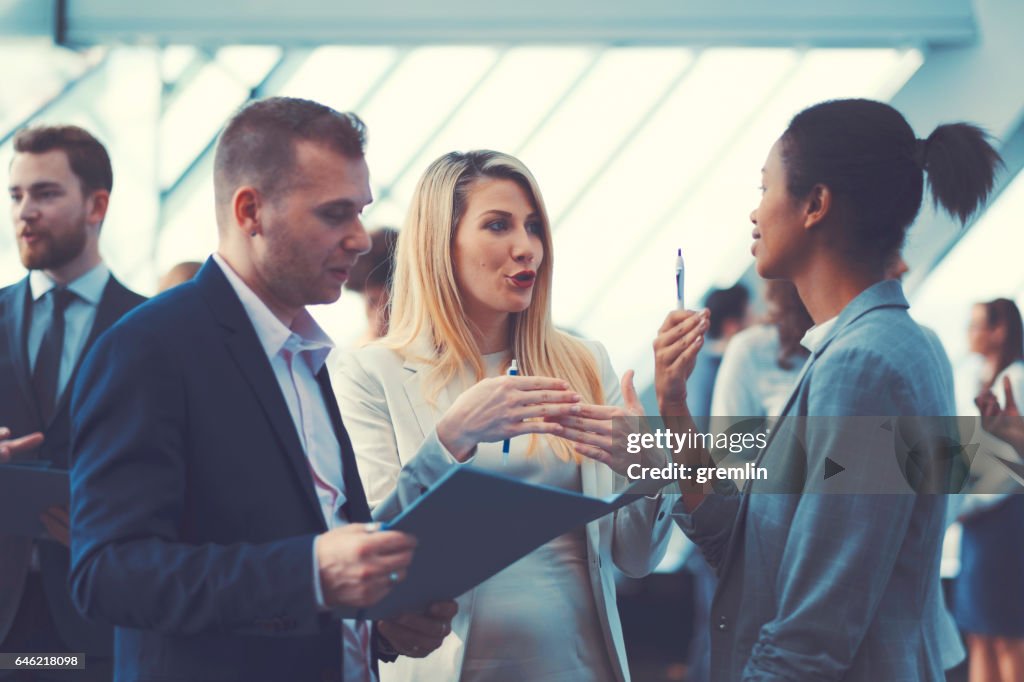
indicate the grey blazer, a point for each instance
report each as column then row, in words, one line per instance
column 818, row 586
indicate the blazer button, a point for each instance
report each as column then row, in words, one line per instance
column 661, row 515
column 723, row 624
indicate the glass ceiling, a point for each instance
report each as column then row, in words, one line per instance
column 638, row 151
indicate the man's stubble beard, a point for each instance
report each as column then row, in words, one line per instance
column 56, row 252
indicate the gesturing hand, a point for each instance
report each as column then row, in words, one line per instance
column 600, row 431
column 417, row 634
column 495, row 409
column 675, row 353
column 13, row 446
column 359, row 565
column 1004, row 423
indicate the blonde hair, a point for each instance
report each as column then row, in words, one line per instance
column 426, row 305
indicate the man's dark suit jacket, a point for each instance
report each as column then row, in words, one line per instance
column 19, row 411
column 193, row 510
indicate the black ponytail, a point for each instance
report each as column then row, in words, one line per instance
column 960, row 163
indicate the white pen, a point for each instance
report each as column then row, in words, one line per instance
column 680, row 274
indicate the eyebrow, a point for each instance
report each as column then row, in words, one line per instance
column 506, row 214
column 346, row 204
column 45, row 184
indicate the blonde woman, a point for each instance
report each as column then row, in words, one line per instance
column 472, row 291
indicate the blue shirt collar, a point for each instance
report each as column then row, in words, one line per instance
column 88, row 287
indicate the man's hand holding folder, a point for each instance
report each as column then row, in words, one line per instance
column 359, row 565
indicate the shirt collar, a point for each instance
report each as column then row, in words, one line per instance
column 305, row 334
column 88, row 287
column 816, row 334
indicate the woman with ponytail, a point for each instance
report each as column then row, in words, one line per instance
column 834, row 582
column 472, row 292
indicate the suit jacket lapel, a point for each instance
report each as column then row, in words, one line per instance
column 417, row 389
column 244, row 347
column 356, row 508
column 17, row 340
column 421, row 409
column 113, row 304
column 110, row 309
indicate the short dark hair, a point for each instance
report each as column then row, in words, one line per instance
column 867, row 154
column 726, row 304
column 375, row 269
column 258, row 144
column 1002, row 312
column 87, row 157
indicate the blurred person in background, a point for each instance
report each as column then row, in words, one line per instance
column 371, row 278
column 762, row 362
column 729, row 311
column 178, row 274
column 989, row 592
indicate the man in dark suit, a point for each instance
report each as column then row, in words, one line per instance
column 60, row 182
column 217, row 511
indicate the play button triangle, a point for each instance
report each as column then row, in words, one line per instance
column 832, row 468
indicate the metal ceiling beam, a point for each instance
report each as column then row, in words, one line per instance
column 313, row 22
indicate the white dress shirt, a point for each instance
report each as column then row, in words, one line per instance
column 816, row 334
column 296, row 356
column 79, row 317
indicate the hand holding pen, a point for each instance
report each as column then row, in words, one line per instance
column 675, row 349
column 513, row 371
column 495, row 409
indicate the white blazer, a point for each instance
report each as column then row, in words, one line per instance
column 392, row 426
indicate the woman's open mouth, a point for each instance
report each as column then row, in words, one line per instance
column 523, row 279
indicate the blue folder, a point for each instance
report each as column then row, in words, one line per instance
column 473, row 523
column 28, row 489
